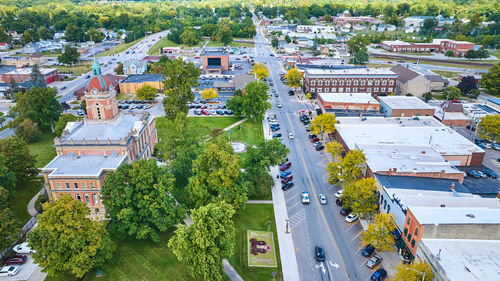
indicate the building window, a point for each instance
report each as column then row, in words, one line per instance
column 319, row 90
column 369, row 90
column 391, row 82
column 348, row 83
column 313, row 83
column 87, row 200
column 78, row 197
column 377, row 83
column 334, row 82
column 341, row 90
column 388, row 208
column 354, row 90
column 405, row 231
column 381, row 199
column 58, row 185
column 94, row 198
column 370, row 82
column 385, row 204
column 382, row 90
column 67, row 185
column 413, row 243
column 313, row 90
column 363, row 82
column 384, row 83
column 408, row 222
column 356, row 82
column 75, row 184
column 327, row 90
column 84, row 185
column 389, row 90
column 334, row 90
column 341, row 82
column 375, row 89
column 416, row 232
column 92, row 185
column 327, row 82
column 347, row 90
column 320, row 83
column 97, row 210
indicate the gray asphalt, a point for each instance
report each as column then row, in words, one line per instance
column 312, row 224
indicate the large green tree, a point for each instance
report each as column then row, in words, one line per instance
column 357, row 44
column 216, row 176
column 379, row 232
column 252, row 102
column 489, row 127
column 360, row 58
column 491, row 80
column 9, row 225
column 360, row 196
column 417, row 271
column 323, row 124
column 66, row 239
column 138, row 200
column 190, row 37
column 180, row 76
column 63, row 121
column 204, row 244
column 451, row 93
column 38, row 104
column 293, row 78
column 146, row 92
column 18, row 158
column 348, row 169
column 70, row 55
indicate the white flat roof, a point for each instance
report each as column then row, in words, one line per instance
column 362, row 98
column 23, row 71
column 449, row 199
column 438, row 113
column 467, row 259
column 395, row 42
column 405, row 158
column 456, row 215
column 350, row 71
column 389, row 131
column 398, row 102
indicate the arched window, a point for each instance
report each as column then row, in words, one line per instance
column 385, row 204
column 413, row 243
column 87, row 200
column 377, row 83
column 348, row 83
column 370, row 82
column 94, row 198
column 78, row 197
column 405, row 231
column 388, row 208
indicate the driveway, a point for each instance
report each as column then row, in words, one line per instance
column 26, row 271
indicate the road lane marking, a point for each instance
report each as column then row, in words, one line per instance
column 317, row 201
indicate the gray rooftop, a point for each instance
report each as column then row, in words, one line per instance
column 88, row 165
column 214, row 53
column 350, row 72
column 140, row 78
column 403, row 102
column 418, row 183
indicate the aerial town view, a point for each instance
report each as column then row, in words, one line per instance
column 255, row 140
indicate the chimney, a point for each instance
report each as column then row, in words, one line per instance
column 395, row 170
column 498, row 196
column 452, row 187
column 390, row 174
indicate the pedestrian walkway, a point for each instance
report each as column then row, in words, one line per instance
column 289, row 265
column 230, row 271
column 234, row 125
column 31, row 205
column 260, row 201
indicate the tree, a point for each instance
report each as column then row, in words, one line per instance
column 360, row 197
column 257, row 164
column 225, row 35
column 63, row 121
column 12, row 89
column 491, row 80
column 119, row 69
column 204, row 244
column 3, row 118
column 379, row 232
column 94, row 35
column 335, row 149
column 70, row 55
column 209, row 94
column 471, row 54
column 451, row 93
column 146, row 92
column 138, row 201
column 216, row 176
column 360, row 58
column 327, row 18
column 449, row 53
column 38, row 104
column 348, row 169
column 28, row 131
column 315, row 51
column 66, row 239
column 181, row 76
column 36, row 77
column 275, row 42
column 414, row 271
column 260, row 70
column 288, row 39
column 467, row 84
column 189, row 37
column 357, row 44
column 293, row 78
column 482, row 53
column 44, row 33
column 17, row 155
column 324, row 123
column 252, row 102
column 74, row 33
column 489, row 127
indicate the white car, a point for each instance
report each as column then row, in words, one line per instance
column 322, row 199
column 290, row 136
column 351, row 217
column 338, row 193
column 279, row 105
column 305, row 198
column 9, row 270
column 23, row 249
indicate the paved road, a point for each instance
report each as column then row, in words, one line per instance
column 312, row 224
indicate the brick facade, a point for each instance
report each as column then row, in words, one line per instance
column 412, row 112
column 459, row 48
column 412, row 232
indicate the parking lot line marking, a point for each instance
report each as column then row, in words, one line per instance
column 359, row 249
column 363, row 262
column 353, row 224
column 357, row 235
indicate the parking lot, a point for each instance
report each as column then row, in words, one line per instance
column 25, row 271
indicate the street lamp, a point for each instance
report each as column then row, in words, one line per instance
column 287, row 227
column 423, row 277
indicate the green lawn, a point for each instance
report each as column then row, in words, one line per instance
column 136, row 260
column 123, row 96
column 203, row 125
column 119, row 48
column 253, row 217
column 496, row 53
column 164, row 42
column 43, row 149
column 250, row 133
column 77, row 69
column 233, row 44
column 446, row 74
column 23, row 195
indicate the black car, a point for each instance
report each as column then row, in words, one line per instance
column 291, row 93
column 306, row 121
column 379, row 275
column 368, row 250
column 277, row 135
column 345, row 211
column 274, row 129
column 320, row 147
column 319, row 254
column 287, row 186
column 312, row 136
column 339, row 202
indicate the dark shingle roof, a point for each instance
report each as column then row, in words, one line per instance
column 404, row 74
column 427, row 184
column 434, row 78
column 449, row 106
column 139, row 78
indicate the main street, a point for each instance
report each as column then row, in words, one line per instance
column 312, row 224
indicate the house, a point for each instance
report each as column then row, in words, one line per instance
column 4, row 46
column 324, row 51
column 91, row 148
column 410, row 82
column 451, row 114
column 402, row 106
column 391, row 27
column 381, row 27
column 134, row 67
column 438, row 83
column 291, row 49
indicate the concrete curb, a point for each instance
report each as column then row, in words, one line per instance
column 230, row 272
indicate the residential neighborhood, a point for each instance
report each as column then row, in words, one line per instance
column 250, row 140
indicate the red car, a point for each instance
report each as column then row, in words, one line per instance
column 285, row 166
column 270, row 84
column 287, row 179
column 17, row 259
column 205, row 112
column 313, row 140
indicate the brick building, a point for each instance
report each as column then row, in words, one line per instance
column 215, row 61
column 410, row 82
column 23, row 74
column 459, row 48
column 451, row 113
column 89, row 149
column 352, row 20
column 402, row 106
column 331, row 102
column 375, row 81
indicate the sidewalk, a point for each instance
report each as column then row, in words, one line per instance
column 287, row 250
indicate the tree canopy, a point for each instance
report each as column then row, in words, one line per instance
column 62, row 122
column 489, row 127
column 360, row 196
column 379, row 232
column 70, row 55
column 324, row 123
column 38, row 104
column 252, row 102
column 209, row 94
column 348, row 169
column 491, row 80
column 146, row 92
column 414, row 271
column 260, row 70
column 293, row 78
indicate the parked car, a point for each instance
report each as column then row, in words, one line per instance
column 290, row 136
column 287, row 179
column 339, row 193
column 345, row 211
column 10, row 270
column 339, row 202
column 285, row 173
column 496, row 146
column 23, row 249
column 319, row 254
column 368, row 250
column 291, row 93
column 197, row 112
column 16, row 259
column 481, row 174
column 472, row 173
column 80, row 112
column 277, row 135
column 489, row 173
column 314, row 140
column 205, row 112
column 379, row 275
column 279, row 105
column 320, row 147
column 305, row 198
column 228, row 112
column 285, row 166
column 287, row 186
column 276, row 94
column 311, row 136
column 322, row 199
column 374, row 261
column 274, row 129
column 351, row 218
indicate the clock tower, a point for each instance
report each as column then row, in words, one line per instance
column 100, row 96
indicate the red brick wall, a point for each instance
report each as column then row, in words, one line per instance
column 350, row 85
column 412, row 112
column 412, row 227
column 477, row 159
column 456, row 123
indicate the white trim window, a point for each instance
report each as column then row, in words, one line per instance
column 370, row 82
column 334, row 82
column 377, row 83
column 313, row 83
column 320, row 83
column 363, row 82
column 375, row 89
